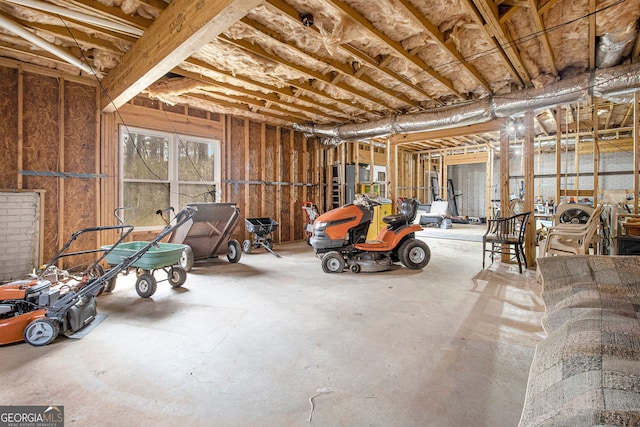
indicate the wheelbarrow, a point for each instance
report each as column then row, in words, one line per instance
column 261, row 229
column 207, row 234
column 158, row 256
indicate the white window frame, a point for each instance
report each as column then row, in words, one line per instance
column 172, row 181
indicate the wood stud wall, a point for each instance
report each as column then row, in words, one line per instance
column 269, row 171
column 49, row 125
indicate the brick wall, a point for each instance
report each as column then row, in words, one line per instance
column 20, row 225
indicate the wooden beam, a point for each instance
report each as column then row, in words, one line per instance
column 596, row 153
column 485, row 14
column 592, row 34
column 505, row 174
column 285, row 91
column 183, row 28
column 365, row 24
column 556, row 116
column 255, row 95
column 311, row 74
column 20, row 148
column 542, row 35
column 247, row 173
column 530, row 234
column 438, row 37
column 379, row 91
column 61, row 167
column 636, row 149
column 263, row 169
column 491, row 126
column 292, row 14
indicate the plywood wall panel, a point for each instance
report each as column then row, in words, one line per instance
column 41, row 149
column 254, row 164
column 236, row 174
column 271, row 191
column 9, row 126
column 301, row 169
column 80, row 157
column 286, row 191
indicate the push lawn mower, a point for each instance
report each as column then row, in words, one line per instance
column 339, row 238
column 34, row 310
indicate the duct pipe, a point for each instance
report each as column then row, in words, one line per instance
column 614, row 46
column 624, row 79
column 79, row 16
column 20, row 31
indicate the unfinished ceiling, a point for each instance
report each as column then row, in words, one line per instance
column 331, row 62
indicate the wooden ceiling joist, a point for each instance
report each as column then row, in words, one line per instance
column 179, row 31
column 395, row 46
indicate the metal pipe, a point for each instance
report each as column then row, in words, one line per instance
column 20, row 31
column 608, row 83
column 612, row 46
column 82, row 17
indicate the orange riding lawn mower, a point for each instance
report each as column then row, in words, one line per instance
column 339, row 238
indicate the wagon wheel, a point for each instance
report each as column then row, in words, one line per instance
column 246, row 246
column 186, row 259
column 146, row 285
column 235, row 252
column 177, row 276
column 41, row 331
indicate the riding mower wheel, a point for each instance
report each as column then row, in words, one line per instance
column 414, row 254
column 333, row 262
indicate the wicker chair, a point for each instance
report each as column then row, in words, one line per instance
column 505, row 236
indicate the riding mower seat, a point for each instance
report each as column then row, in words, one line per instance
column 408, row 212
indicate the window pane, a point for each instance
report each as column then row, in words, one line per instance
column 146, row 198
column 145, row 156
column 197, row 193
column 196, row 161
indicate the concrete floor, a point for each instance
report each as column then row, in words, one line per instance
column 249, row 344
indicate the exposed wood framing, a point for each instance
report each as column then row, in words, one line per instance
column 292, row 188
column 263, row 169
column 20, row 159
column 596, row 153
column 558, row 152
column 395, row 46
column 179, row 31
column 636, row 150
column 504, row 179
column 530, row 238
column 247, row 168
column 278, row 167
column 61, row 163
